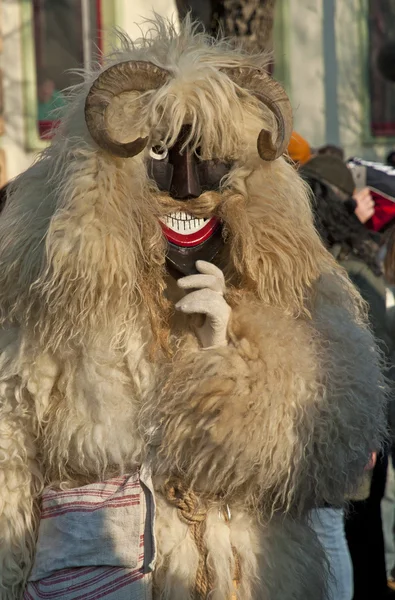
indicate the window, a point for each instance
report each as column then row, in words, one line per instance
column 67, row 36
column 381, row 92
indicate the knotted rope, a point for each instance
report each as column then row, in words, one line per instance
column 194, row 513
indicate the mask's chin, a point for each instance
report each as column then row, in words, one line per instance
column 190, row 239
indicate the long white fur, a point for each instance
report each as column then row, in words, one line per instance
column 97, row 373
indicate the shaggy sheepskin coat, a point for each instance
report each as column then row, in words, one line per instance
column 100, row 375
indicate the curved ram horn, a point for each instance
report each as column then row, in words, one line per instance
column 273, row 95
column 139, row 76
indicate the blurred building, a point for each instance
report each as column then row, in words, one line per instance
column 325, row 54
column 40, row 42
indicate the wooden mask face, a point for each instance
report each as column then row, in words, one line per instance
column 180, row 173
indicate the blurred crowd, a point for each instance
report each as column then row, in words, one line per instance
column 353, row 204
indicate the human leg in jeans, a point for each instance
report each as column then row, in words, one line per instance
column 328, row 523
column 388, row 517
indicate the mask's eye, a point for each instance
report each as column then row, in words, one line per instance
column 159, row 152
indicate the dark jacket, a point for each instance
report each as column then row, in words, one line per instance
column 372, row 288
column 356, row 249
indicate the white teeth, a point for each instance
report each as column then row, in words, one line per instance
column 181, row 222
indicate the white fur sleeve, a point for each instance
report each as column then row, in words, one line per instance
column 20, row 482
column 285, row 416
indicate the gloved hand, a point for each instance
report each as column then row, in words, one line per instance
column 207, row 299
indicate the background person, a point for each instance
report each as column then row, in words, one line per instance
column 356, row 249
column 49, row 100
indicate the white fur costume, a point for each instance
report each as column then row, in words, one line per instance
column 99, row 374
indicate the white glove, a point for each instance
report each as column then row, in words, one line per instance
column 207, row 299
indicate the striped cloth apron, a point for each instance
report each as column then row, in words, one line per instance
column 96, row 541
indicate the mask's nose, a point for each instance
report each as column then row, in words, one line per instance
column 185, row 182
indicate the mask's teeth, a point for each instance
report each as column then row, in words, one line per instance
column 183, row 223
column 198, row 222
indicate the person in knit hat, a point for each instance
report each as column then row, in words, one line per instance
column 331, row 149
column 334, row 172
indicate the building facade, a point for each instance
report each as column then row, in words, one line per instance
column 325, row 53
column 40, row 42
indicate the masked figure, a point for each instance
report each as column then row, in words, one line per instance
column 185, row 371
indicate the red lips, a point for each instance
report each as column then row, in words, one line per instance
column 191, row 239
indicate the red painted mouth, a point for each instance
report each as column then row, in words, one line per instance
column 184, row 230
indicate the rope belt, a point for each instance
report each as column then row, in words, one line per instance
column 192, row 512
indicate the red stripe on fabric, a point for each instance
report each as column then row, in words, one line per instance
column 65, row 574
column 109, row 588
column 91, row 502
column 51, row 494
column 98, row 493
column 65, row 510
column 49, row 581
column 78, row 587
column 122, row 582
column 107, row 502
